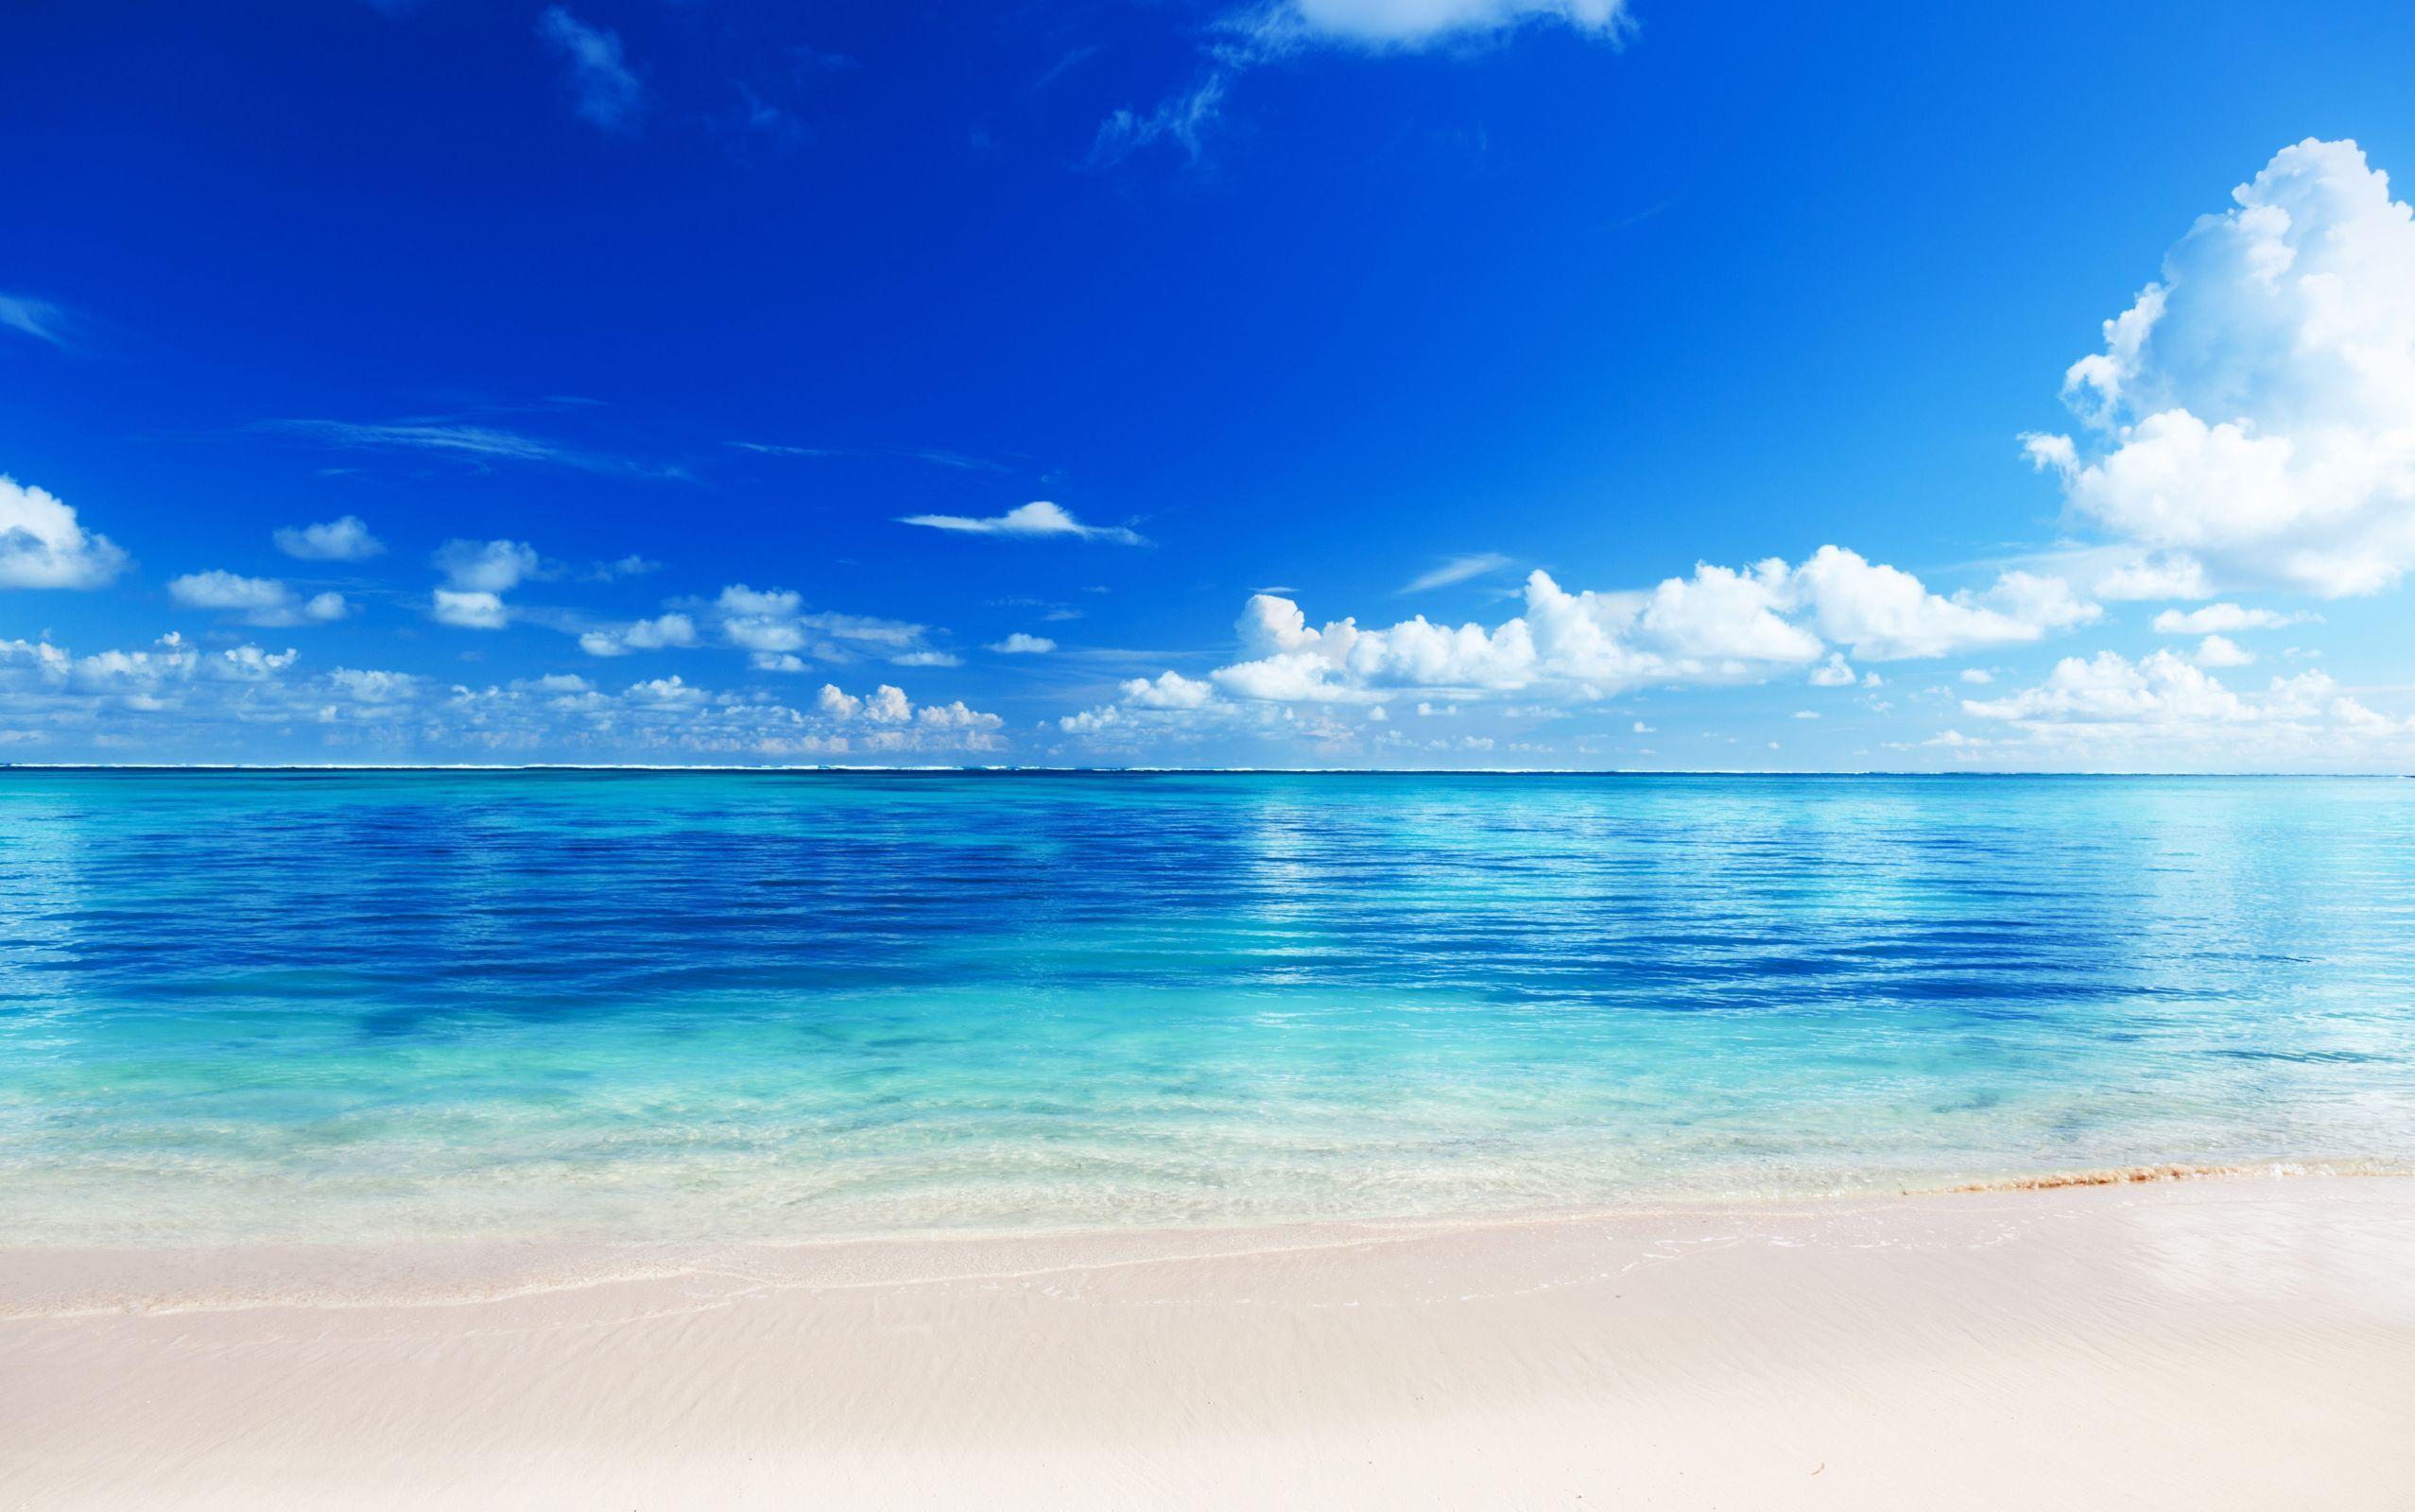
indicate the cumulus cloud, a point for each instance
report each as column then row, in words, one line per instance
column 476, row 575
column 1039, row 520
column 263, row 601
column 660, row 633
column 470, row 610
column 43, row 545
column 2164, row 707
column 488, row 566
column 373, row 688
column 2229, row 618
column 1882, row 613
column 1170, row 690
column 174, row 697
column 1833, row 673
column 604, row 90
column 342, row 540
column 1720, row 624
column 2253, row 409
column 887, row 706
column 2218, row 651
column 1020, row 644
column 775, row 626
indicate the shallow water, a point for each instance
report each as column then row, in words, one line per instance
column 332, row 1006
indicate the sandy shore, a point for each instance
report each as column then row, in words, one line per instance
column 2224, row 1343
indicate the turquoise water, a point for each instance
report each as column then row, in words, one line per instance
column 332, row 1006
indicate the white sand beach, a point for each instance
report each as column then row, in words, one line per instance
column 2239, row 1342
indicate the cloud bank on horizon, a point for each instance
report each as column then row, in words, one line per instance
column 2289, row 321
column 2237, row 470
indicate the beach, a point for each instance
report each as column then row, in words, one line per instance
column 589, row 1139
column 2243, row 1341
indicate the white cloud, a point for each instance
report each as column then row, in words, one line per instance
column 671, row 690
column 2216, row 651
column 1720, row 624
column 38, row 319
column 477, row 574
column 2255, row 408
column 632, row 565
column 1035, row 521
column 2226, row 617
column 1266, row 30
column 375, row 688
column 836, row 704
column 1184, row 119
column 887, row 706
column 42, row 545
column 342, row 540
column 1020, row 644
column 1833, row 673
column 1456, row 570
column 2106, row 709
column 488, row 566
column 1410, row 24
column 185, row 703
column 2109, row 687
column 470, row 610
column 773, row 623
column 1979, row 677
column 2167, row 575
column 953, row 715
column 1170, row 690
column 661, row 632
column 263, row 601
column 475, row 444
column 604, row 91
column 1883, row 614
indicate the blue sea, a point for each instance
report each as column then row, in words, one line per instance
column 347, row 1005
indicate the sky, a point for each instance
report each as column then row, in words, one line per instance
column 1555, row 384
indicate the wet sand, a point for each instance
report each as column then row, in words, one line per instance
column 2234, row 1342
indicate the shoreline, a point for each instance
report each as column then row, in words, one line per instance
column 59, row 1279
column 74, row 1279
column 2214, row 1342
column 100, row 1275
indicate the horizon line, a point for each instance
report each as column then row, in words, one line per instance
column 967, row 770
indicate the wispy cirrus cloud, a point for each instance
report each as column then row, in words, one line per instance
column 604, row 90
column 1455, row 569
column 934, row 456
column 1248, row 37
column 464, row 441
column 1038, row 519
column 38, row 319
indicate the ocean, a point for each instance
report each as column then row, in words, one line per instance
column 320, row 1006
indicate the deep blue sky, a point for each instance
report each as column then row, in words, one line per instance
column 1727, row 284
